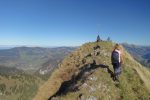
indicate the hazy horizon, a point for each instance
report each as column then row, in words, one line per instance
column 30, row 46
column 48, row 46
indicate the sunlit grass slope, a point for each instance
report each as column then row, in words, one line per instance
column 134, row 81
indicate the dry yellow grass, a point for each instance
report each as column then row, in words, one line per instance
column 53, row 84
column 143, row 72
column 70, row 66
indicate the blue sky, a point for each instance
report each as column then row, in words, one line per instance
column 73, row 22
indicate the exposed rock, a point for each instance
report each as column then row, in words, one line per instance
column 55, row 98
column 91, row 98
column 105, row 69
column 92, row 78
column 81, row 97
column 84, row 85
column 92, row 89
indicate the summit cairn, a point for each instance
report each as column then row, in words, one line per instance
column 98, row 39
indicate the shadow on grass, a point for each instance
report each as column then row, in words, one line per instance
column 85, row 71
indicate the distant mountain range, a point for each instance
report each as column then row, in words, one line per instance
column 140, row 53
column 33, row 58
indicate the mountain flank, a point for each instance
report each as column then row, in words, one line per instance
column 87, row 74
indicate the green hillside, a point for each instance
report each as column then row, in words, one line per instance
column 86, row 74
column 33, row 58
column 19, row 86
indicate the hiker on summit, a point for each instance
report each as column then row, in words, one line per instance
column 117, row 60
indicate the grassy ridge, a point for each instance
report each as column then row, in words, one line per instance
column 134, row 79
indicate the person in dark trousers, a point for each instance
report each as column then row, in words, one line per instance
column 117, row 60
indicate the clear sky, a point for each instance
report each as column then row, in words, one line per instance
column 73, row 22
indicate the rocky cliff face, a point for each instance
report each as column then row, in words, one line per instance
column 87, row 74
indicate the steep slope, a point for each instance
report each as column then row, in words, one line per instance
column 87, row 74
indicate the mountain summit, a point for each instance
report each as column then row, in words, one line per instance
column 87, row 74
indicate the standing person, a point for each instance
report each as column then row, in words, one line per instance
column 117, row 60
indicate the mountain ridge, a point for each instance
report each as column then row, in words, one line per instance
column 99, row 55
